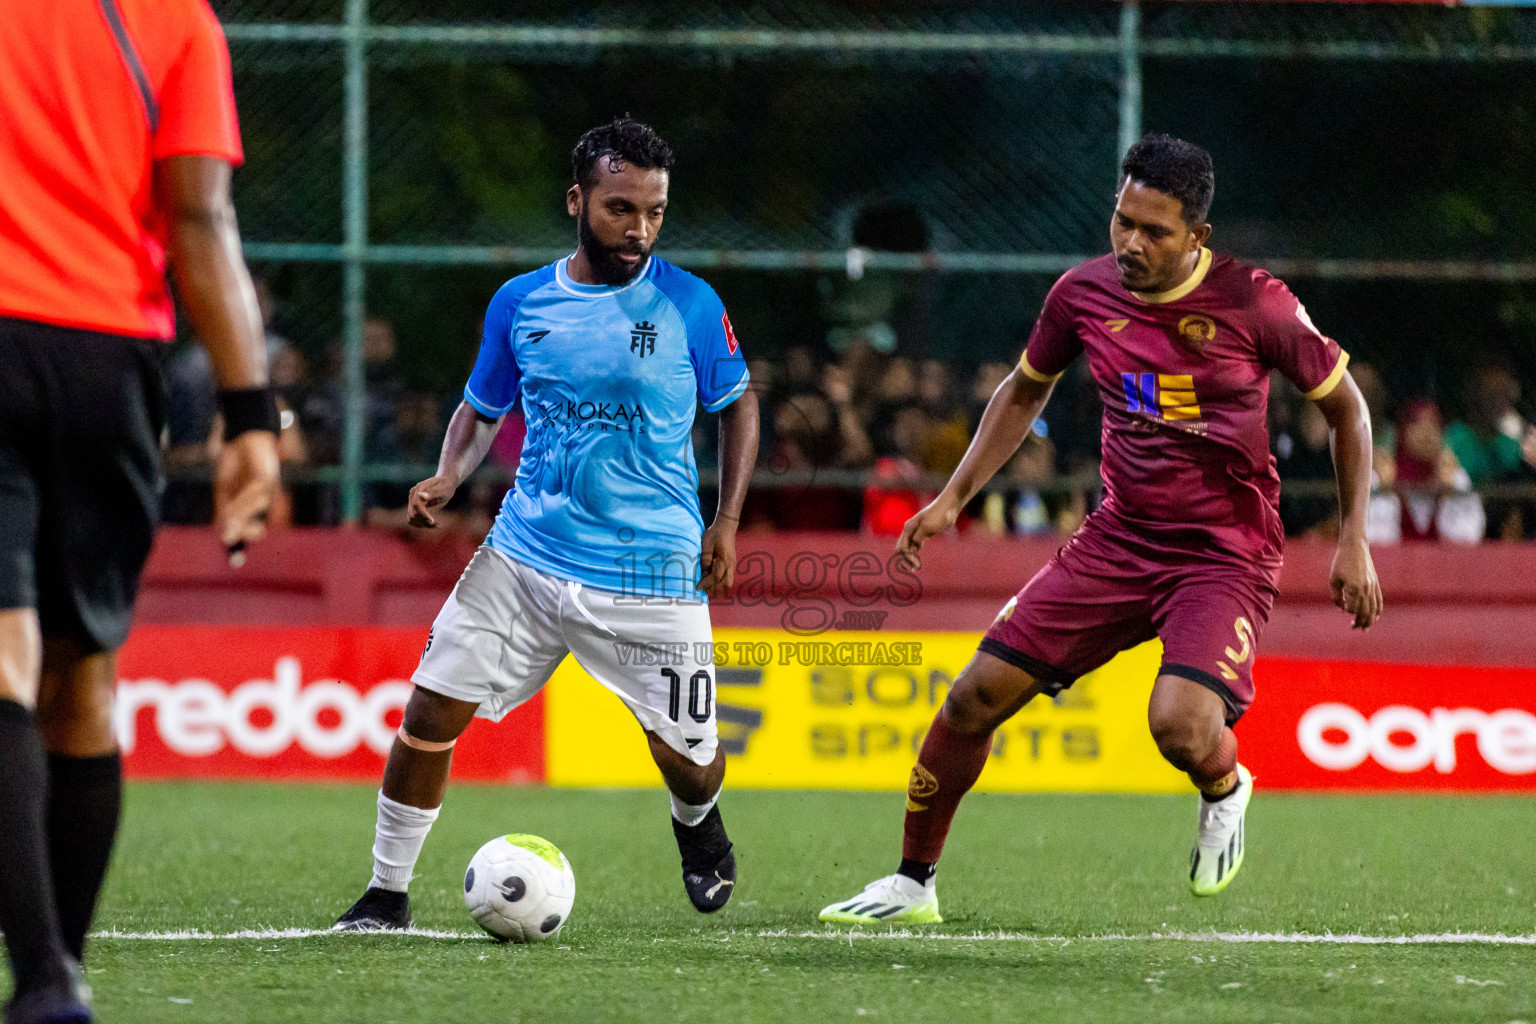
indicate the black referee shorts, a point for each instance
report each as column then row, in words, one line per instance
column 80, row 420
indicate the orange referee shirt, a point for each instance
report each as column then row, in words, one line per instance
column 92, row 92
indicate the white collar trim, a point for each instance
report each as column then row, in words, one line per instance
column 595, row 291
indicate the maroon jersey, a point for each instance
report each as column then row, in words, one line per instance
column 1184, row 376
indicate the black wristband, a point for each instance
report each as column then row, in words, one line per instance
column 249, row 409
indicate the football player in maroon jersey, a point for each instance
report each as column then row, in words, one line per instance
column 1187, row 543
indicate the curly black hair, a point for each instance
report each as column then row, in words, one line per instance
column 1176, row 168
column 624, row 139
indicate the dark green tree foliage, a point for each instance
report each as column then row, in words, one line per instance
column 462, row 151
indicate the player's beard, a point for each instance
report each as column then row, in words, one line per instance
column 1134, row 274
column 604, row 260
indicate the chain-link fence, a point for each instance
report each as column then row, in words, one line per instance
column 405, row 155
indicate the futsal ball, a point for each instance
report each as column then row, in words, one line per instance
column 520, row 888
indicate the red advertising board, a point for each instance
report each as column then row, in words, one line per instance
column 323, row 703
column 1369, row 726
column 291, row 703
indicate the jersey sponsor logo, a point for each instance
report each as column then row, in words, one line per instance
column 642, row 340
column 1197, row 330
column 604, row 416
column 1168, row 396
column 1116, row 326
column 534, row 337
column 730, row 334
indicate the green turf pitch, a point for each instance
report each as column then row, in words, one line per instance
column 1022, row 876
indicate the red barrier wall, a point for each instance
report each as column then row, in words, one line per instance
column 1445, row 605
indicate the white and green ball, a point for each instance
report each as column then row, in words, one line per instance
column 520, row 888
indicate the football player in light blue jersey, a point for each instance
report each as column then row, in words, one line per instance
column 599, row 550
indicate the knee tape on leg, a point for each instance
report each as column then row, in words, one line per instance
column 426, row 746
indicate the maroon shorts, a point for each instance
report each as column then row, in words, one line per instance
column 1104, row 593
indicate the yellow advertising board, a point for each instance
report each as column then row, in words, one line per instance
column 849, row 711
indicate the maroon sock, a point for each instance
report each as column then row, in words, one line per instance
column 1219, row 765
column 946, row 769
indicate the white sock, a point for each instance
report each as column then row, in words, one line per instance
column 397, row 840
column 692, row 814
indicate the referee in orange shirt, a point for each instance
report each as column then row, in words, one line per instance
column 119, row 135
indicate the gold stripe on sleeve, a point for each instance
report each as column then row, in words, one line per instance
column 1330, row 382
column 1034, row 374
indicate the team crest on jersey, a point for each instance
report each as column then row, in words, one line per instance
column 642, row 340
column 1197, row 330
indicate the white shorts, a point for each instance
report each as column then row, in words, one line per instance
column 507, row 626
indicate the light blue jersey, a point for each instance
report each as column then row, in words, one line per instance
column 610, row 377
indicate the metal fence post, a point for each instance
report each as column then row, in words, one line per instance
column 355, row 243
column 1130, row 76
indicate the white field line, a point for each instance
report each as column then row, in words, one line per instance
column 195, row 934
column 1325, row 938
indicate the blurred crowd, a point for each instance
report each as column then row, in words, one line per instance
column 860, row 440
column 1461, row 481
column 857, row 437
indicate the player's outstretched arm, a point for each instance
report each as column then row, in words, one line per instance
column 468, row 438
column 739, row 430
column 192, row 193
column 1014, row 407
column 1353, row 577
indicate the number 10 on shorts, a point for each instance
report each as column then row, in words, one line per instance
column 700, row 685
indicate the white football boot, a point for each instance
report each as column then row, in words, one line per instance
column 1218, row 851
column 894, row 899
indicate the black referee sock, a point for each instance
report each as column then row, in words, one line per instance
column 85, row 799
column 27, row 915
